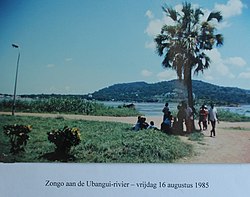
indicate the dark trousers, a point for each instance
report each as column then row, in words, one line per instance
column 213, row 123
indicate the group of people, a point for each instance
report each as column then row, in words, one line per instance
column 142, row 124
column 206, row 116
column 185, row 114
column 172, row 124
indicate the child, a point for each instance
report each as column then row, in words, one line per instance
column 152, row 125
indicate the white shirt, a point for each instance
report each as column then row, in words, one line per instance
column 213, row 114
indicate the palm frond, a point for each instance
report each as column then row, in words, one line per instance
column 169, row 30
column 166, row 63
column 203, row 62
column 215, row 15
column 159, row 40
column 187, row 8
column 219, row 39
column 197, row 14
column 173, row 14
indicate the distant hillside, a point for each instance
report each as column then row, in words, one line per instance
column 171, row 90
column 160, row 92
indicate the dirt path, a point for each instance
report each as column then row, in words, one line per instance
column 231, row 144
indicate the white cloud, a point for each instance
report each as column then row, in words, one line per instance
column 167, row 75
column 146, row 73
column 154, row 27
column 51, row 65
column 150, row 45
column 218, row 64
column 219, row 68
column 149, row 14
column 223, row 25
column 244, row 75
column 236, row 61
column 232, row 8
column 68, row 59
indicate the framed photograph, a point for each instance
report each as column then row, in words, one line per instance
column 106, row 98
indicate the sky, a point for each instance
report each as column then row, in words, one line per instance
column 81, row 46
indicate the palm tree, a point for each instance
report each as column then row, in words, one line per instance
column 184, row 44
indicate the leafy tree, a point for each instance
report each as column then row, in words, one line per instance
column 184, row 43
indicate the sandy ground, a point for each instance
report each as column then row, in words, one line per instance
column 230, row 145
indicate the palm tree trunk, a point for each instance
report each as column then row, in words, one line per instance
column 188, row 81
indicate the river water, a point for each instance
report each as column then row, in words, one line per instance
column 155, row 109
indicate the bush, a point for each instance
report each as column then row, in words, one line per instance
column 18, row 135
column 64, row 139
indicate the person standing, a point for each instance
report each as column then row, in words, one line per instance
column 165, row 111
column 212, row 117
column 181, row 114
column 188, row 117
column 203, row 113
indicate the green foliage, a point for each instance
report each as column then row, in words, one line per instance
column 18, row 135
column 67, row 105
column 225, row 115
column 105, row 142
column 64, row 139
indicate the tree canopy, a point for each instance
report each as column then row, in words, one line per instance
column 184, row 42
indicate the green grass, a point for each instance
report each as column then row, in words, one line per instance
column 196, row 136
column 67, row 106
column 102, row 142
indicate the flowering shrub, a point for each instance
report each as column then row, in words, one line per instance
column 18, row 135
column 64, row 139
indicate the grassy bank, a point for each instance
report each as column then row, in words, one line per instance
column 225, row 115
column 67, row 106
column 101, row 142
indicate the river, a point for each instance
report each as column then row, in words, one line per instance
column 155, row 109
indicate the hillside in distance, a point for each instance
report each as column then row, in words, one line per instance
column 171, row 91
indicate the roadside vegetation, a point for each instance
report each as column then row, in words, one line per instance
column 101, row 142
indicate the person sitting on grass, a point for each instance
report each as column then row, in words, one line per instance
column 140, row 124
column 152, row 126
column 137, row 126
column 143, row 123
